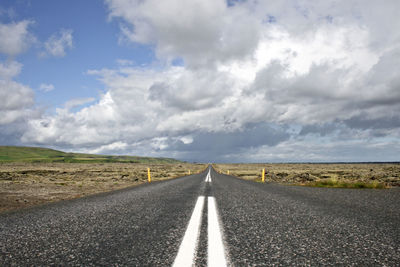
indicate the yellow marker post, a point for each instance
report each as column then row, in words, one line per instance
column 227, row 172
column 263, row 176
column 148, row 175
column 189, row 172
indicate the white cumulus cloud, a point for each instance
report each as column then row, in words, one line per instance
column 44, row 87
column 9, row 69
column 17, row 105
column 254, row 74
column 198, row 31
column 58, row 43
column 15, row 37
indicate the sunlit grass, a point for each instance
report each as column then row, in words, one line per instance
column 44, row 155
column 344, row 184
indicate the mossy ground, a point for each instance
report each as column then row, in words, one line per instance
column 24, row 184
column 363, row 175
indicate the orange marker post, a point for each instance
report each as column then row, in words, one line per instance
column 263, row 176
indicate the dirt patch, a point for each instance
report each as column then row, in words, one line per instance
column 27, row 184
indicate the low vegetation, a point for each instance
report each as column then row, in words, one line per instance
column 359, row 175
column 42, row 155
column 343, row 184
column 31, row 176
column 27, row 184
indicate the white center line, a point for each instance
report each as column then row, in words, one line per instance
column 187, row 249
column 216, row 251
column 208, row 177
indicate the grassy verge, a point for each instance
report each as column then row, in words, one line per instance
column 343, row 184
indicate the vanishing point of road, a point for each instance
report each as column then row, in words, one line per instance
column 208, row 219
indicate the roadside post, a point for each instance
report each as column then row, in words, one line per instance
column 189, row 172
column 263, row 176
column 148, row 175
column 227, row 172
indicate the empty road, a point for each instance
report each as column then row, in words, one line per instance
column 208, row 219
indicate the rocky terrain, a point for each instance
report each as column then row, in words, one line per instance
column 26, row 184
column 386, row 174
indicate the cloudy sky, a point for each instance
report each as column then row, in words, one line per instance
column 203, row 80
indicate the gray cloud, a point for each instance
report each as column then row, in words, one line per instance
column 328, row 149
column 248, row 68
column 192, row 90
column 216, row 146
column 365, row 123
column 320, row 129
column 251, row 136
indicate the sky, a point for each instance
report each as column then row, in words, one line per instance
column 203, row 80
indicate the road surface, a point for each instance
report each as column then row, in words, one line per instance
column 208, row 219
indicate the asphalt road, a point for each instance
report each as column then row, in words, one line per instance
column 230, row 221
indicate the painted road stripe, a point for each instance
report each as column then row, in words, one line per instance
column 187, row 250
column 208, row 177
column 216, row 251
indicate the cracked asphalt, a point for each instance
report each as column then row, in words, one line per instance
column 263, row 225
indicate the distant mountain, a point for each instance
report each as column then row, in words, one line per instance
column 38, row 154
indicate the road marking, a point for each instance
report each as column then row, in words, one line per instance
column 187, row 250
column 208, row 177
column 216, row 251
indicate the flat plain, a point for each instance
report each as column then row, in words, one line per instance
column 24, row 184
column 262, row 224
column 376, row 175
column 31, row 176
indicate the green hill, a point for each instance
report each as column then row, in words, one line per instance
column 38, row 154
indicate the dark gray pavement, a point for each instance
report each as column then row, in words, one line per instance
column 141, row 226
column 269, row 224
column 263, row 225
